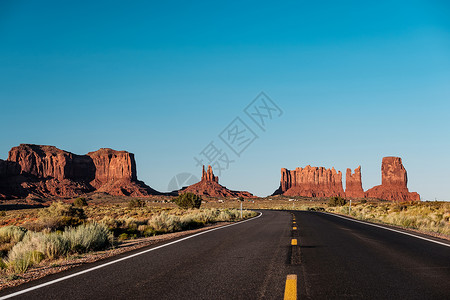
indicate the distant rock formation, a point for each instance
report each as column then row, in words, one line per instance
column 321, row 182
column 394, row 182
column 48, row 171
column 209, row 175
column 209, row 186
column 311, row 182
column 353, row 184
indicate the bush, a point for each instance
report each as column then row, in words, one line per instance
column 337, row 201
column 88, row 237
column 135, row 203
column 12, row 234
column 80, row 202
column 123, row 236
column 60, row 215
column 165, row 223
column 36, row 246
column 188, row 200
column 316, row 209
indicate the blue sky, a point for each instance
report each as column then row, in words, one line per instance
column 355, row 81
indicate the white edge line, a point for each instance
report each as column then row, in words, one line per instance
column 387, row 228
column 120, row 259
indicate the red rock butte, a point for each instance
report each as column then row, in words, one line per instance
column 209, row 186
column 47, row 171
column 353, row 184
column 321, row 182
column 311, row 182
column 394, row 182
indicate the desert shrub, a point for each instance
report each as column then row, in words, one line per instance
column 2, row 213
column 32, row 249
column 11, row 234
column 164, row 222
column 123, row 236
column 60, row 215
column 88, row 237
column 133, row 203
column 36, row 246
column 316, row 209
column 20, row 265
column 80, row 202
column 188, row 200
column 336, row 201
column 3, row 265
column 168, row 221
column 52, row 245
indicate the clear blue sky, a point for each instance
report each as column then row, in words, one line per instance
column 355, row 81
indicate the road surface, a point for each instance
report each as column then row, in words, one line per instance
column 334, row 258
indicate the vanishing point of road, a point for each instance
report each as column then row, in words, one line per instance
column 281, row 254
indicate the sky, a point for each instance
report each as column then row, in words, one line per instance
column 349, row 82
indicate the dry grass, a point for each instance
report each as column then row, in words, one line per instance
column 41, row 236
column 427, row 217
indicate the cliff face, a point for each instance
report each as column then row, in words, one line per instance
column 48, row 171
column 321, row 182
column 51, row 162
column 209, row 186
column 353, row 184
column 394, row 182
column 8, row 169
column 111, row 165
column 311, row 182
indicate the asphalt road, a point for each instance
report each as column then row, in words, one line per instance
column 335, row 258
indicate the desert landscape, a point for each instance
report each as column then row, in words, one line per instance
column 224, row 150
column 60, row 210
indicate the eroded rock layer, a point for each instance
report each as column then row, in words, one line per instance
column 48, row 171
column 394, row 181
column 321, row 182
column 311, row 182
column 353, row 184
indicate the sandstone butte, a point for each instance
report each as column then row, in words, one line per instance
column 209, row 186
column 394, row 182
column 321, row 182
column 353, row 184
column 47, row 171
column 311, row 182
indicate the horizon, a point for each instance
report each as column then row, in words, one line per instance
column 348, row 84
column 343, row 177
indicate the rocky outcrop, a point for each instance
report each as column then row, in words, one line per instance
column 321, row 182
column 209, row 186
column 311, row 182
column 353, row 184
column 394, row 181
column 49, row 171
column 209, row 175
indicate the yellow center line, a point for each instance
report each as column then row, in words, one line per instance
column 290, row 290
column 293, row 222
column 294, row 228
column 294, row 242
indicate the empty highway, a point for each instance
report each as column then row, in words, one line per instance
column 332, row 258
